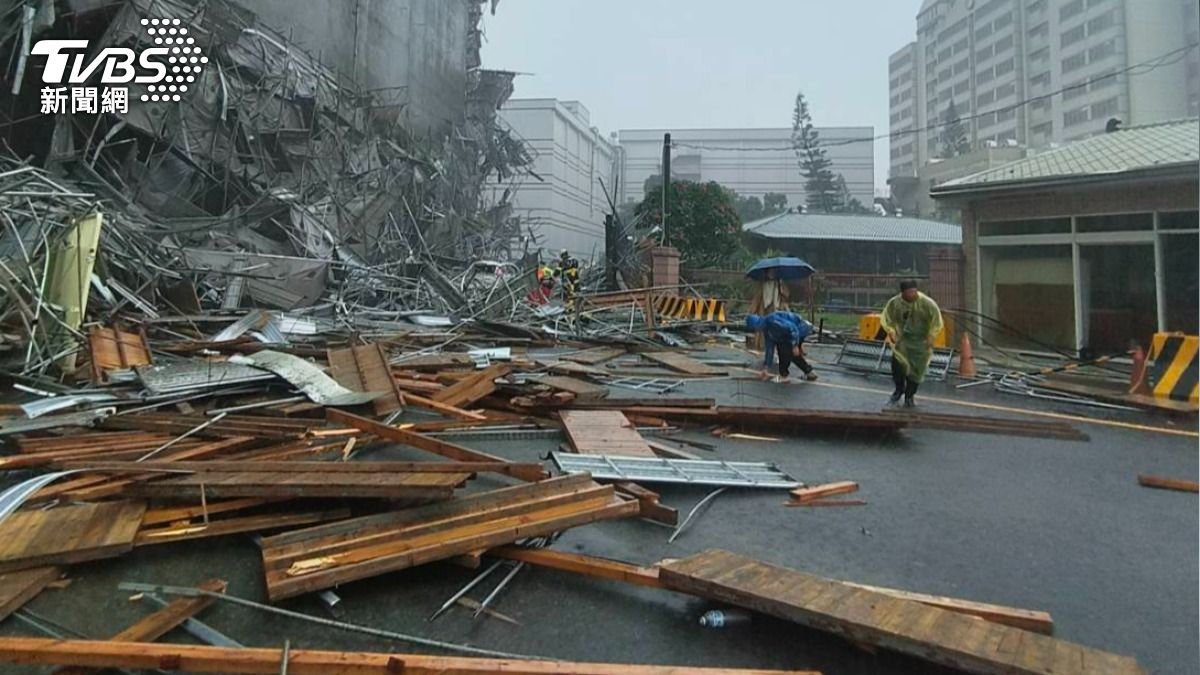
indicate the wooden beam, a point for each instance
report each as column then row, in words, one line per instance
column 286, row 467
column 814, row 492
column 438, row 407
column 472, row 388
column 429, row 444
column 1168, row 483
column 1026, row 619
column 258, row 661
column 600, row 568
column 18, row 588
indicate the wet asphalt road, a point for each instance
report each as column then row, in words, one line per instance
column 1060, row 526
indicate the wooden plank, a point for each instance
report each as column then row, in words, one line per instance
column 672, row 452
column 1168, row 483
column 70, row 534
column 989, row 425
column 300, row 466
column 649, row 506
column 883, row 620
column 814, row 492
column 159, row 516
column 219, row 528
column 472, row 388
column 1025, row 619
column 684, row 364
column 583, row 391
column 257, row 661
column 600, row 568
column 590, row 357
column 435, row 362
column 604, row 432
column 308, row 560
column 326, row 485
column 780, row 419
column 427, row 443
column 365, row 368
column 18, row 588
column 442, row 408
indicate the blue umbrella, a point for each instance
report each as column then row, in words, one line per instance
column 788, row 269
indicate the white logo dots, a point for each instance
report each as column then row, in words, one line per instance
column 184, row 61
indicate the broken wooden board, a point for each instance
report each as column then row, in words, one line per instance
column 112, row 349
column 590, row 357
column 883, row 620
column 584, row 391
column 69, row 534
column 473, row 387
column 779, row 419
column 365, row 368
column 306, row 484
column 684, row 364
column 429, row 444
column 256, row 661
column 298, row 466
column 1168, row 483
column 303, row 561
column 604, row 432
column 196, row 527
column 1025, row 619
column 812, row 493
column 988, row 425
column 435, row 362
column 442, row 408
column 18, row 588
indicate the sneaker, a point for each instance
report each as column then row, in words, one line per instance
column 893, row 400
column 810, row 376
column 782, row 380
column 909, row 403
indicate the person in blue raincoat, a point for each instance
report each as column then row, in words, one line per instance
column 784, row 334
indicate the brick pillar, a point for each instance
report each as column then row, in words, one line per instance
column 664, row 266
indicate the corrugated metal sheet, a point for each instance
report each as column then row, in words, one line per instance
column 1130, row 149
column 845, row 227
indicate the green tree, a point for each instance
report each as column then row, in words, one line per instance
column 774, row 203
column 820, row 191
column 748, row 209
column 702, row 221
column 846, row 202
column 953, row 137
column 653, row 183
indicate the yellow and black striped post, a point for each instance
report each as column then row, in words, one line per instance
column 693, row 309
column 1175, row 373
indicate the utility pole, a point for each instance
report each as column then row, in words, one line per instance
column 666, row 182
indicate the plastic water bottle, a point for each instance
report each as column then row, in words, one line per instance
column 721, row 618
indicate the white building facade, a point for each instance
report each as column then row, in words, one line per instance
column 565, row 209
column 985, row 56
column 752, row 162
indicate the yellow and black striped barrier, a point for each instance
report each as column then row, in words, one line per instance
column 1175, row 372
column 690, row 309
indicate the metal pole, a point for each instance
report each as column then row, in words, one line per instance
column 666, row 182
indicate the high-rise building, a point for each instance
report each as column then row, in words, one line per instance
column 564, row 204
column 1128, row 59
column 751, row 162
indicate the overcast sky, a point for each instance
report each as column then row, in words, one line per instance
column 706, row 63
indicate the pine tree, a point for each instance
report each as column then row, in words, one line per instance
column 820, row 190
column 954, row 135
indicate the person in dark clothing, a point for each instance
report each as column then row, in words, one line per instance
column 783, row 334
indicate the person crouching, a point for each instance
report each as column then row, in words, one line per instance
column 783, row 334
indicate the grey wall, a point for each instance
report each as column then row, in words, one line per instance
column 415, row 50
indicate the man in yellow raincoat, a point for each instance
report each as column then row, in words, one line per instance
column 912, row 321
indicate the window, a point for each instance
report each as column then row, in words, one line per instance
column 1040, row 31
column 950, row 32
column 1124, row 222
column 1038, row 226
column 984, row 76
column 1074, row 62
column 1102, row 50
column 992, row 6
column 894, row 118
column 1002, row 21
column 1095, row 3
column 1042, row 54
column 1006, row 90
column 961, row 66
column 1070, row 9
column 944, row 95
column 1078, row 116
column 906, row 77
column 984, row 54
column 944, row 74
column 1005, row 115
column 960, row 46
column 1045, row 129
column 944, row 54
column 984, row 99
column 1003, row 44
column 1072, row 36
column 1178, row 220
column 983, row 32
column 1003, row 67
column 894, row 84
column 1074, row 90
column 1040, row 80
column 1036, row 6
column 894, row 101
column 1105, row 108
column 900, row 62
column 906, row 94
column 1106, row 20
column 1102, row 79
column 962, row 86
column 987, row 120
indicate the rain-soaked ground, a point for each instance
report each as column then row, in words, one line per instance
column 1060, row 526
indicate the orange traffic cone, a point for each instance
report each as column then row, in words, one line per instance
column 966, row 360
column 1137, row 378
